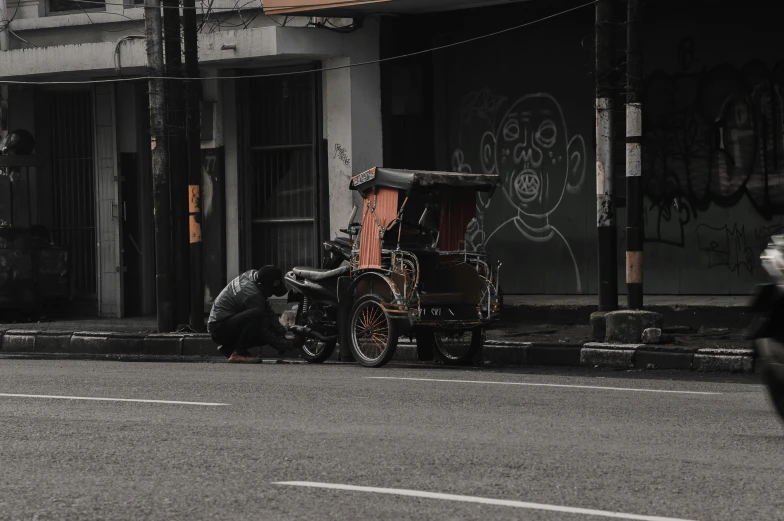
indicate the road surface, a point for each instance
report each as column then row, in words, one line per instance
column 90, row 440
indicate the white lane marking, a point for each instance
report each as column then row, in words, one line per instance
column 90, row 398
column 476, row 499
column 533, row 384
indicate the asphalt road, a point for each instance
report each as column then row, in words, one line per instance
column 713, row 450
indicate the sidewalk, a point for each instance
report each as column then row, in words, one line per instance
column 695, row 311
column 521, row 338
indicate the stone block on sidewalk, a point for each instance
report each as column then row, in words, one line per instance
column 613, row 356
column 53, row 342
column 164, row 344
column 598, row 326
column 652, row 335
column 89, row 342
column 199, row 345
column 647, row 358
column 724, row 360
column 19, row 341
column 506, row 355
column 626, row 326
column 406, row 352
column 120, row 344
column 554, row 354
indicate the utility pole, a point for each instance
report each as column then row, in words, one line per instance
column 4, row 43
column 634, row 229
column 160, row 172
column 193, row 137
column 178, row 159
column 605, row 201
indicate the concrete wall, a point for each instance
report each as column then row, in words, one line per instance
column 713, row 154
column 352, row 122
column 351, row 119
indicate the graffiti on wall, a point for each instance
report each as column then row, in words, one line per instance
column 529, row 145
column 713, row 137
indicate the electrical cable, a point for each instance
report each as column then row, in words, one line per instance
column 322, row 69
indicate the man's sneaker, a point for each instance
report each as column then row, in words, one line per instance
column 225, row 351
column 244, row 359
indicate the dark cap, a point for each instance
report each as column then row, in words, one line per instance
column 270, row 278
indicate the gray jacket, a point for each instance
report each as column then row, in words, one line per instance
column 241, row 294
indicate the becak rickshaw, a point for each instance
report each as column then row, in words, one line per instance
column 404, row 270
column 412, row 273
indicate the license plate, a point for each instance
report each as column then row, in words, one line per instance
column 448, row 313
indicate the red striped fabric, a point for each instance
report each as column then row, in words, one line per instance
column 385, row 211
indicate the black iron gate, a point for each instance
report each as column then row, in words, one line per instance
column 282, row 137
column 73, row 183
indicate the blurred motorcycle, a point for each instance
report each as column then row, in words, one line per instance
column 767, row 329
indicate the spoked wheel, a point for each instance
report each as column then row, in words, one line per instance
column 313, row 351
column 373, row 335
column 458, row 347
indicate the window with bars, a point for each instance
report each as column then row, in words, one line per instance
column 283, row 171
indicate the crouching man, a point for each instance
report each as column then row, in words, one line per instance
column 241, row 317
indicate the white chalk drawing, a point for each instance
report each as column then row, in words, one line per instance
column 538, row 161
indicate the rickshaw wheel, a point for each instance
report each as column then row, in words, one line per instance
column 373, row 335
column 458, row 347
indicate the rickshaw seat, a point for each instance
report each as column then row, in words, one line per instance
column 317, row 275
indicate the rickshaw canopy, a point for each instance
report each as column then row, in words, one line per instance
column 406, row 179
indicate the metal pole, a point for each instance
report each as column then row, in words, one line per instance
column 178, row 159
column 193, row 137
column 634, row 229
column 605, row 203
column 4, row 43
column 160, row 159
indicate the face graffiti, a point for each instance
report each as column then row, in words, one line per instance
column 532, row 153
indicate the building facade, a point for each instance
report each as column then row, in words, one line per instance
column 279, row 149
column 521, row 103
column 287, row 120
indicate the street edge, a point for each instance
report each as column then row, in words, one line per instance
column 189, row 347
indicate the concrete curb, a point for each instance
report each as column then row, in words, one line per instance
column 185, row 347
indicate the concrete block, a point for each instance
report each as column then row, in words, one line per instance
column 615, row 356
column 506, row 355
column 659, row 359
column 53, row 342
column 199, row 345
column 19, row 341
column 405, row 352
column 598, row 326
column 169, row 344
column 554, row 354
column 89, row 342
column 119, row 344
column 652, row 335
column 626, row 326
column 723, row 363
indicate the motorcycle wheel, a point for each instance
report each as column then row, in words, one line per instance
column 775, row 387
column 457, row 347
column 373, row 335
column 313, row 351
